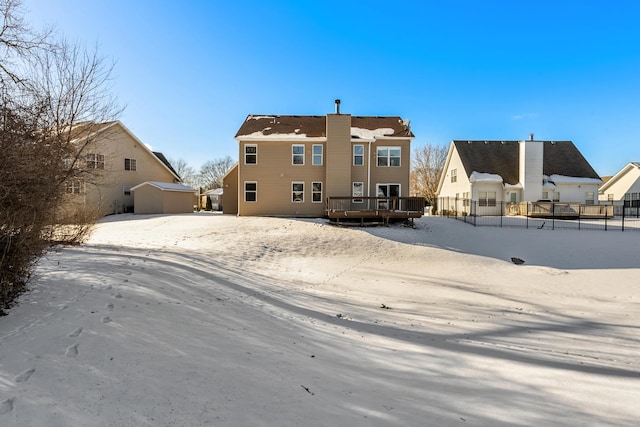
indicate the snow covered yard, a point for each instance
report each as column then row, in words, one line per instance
column 212, row 320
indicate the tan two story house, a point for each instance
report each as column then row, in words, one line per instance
column 115, row 161
column 312, row 166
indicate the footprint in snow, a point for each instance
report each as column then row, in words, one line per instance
column 106, row 319
column 6, row 406
column 72, row 351
column 75, row 333
column 110, row 306
column 24, row 376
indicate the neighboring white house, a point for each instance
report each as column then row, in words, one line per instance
column 489, row 173
column 216, row 198
column 623, row 187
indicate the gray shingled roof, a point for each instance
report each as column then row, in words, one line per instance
column 502, row 158
column 315, row 126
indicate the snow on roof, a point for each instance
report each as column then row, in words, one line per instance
column 513, row 186
column 215, row 192
column 370, row 133
column 484, row 177
column 166, row 186
column 260, row 134
column 561, row 179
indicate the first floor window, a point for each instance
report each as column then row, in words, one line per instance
column 129, row 164
column 358, row 155
column 250, row 154
column 588, row 198
column 389, row 156
column 297, row 192
column 357, row 191
column 316, row 192
column 250, row 191
column 73, row 187
column 554, row 196
column 465, row 199
column 317, row 155
column 297, row 154
column 126, row 191
column 487, row 198
column 95, row 161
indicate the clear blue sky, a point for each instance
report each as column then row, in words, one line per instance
column 189, row 72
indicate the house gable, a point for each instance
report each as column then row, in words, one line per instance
column 627, row 180
column 561, row 163
column 126, row 163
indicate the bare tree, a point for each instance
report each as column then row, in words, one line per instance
column 51, row 93
column 186, row 172
column 17, row 41
column 428, row 163
column 212, row 172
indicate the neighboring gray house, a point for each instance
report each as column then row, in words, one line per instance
column 493, row 172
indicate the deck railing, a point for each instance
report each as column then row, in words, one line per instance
column 375, row 207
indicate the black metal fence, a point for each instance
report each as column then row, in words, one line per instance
column 542, row 215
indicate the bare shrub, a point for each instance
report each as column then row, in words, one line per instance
column 51, row 94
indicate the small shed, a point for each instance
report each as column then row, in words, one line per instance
column 152, row 197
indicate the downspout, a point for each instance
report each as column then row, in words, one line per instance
column 369, row 174
column 239, row 191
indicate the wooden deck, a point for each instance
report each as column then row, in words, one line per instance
column 374, row 209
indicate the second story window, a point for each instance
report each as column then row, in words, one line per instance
column 250, row 154
column 317, row 155
column 126, row 191
column 388, row 156
column 358, row 155
column 297, row 154
column 95, row 161
column 454, row 175
column 130, row 164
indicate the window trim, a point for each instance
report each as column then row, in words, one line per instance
column 486, row 201
column 132, row 164
column 589, row 198
column 314, row 155
column 250, row 191
column 353, row 192
column 74, row 186
column 355, row 156
column 255, row 154
column 388, row 157
column 293, row 191
column 384, row 204
column 294, row 154
column 314, row 191
column 95, row 161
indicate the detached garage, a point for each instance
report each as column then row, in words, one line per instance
column 153, row 197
